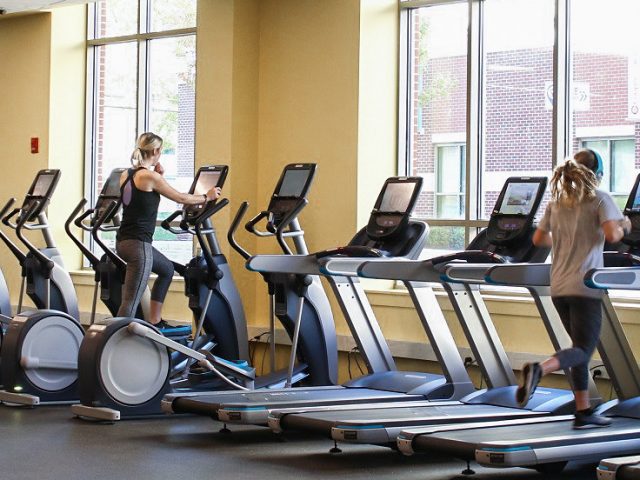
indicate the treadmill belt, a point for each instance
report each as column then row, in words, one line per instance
column 463, row 443
column 208, row 404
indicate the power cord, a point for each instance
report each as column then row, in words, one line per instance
column 253, row 343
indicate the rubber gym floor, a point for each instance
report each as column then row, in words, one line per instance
column 47, row 443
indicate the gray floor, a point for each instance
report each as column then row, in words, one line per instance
column 46, row 443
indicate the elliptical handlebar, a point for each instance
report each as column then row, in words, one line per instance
column 234, row 227
column 93, row 259
column 42, row 258
column 166, row 223
column 286, row 221
column 10, row 245
column 111, row 208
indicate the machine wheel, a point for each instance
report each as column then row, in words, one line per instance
column 51, row 345
column 133, row 369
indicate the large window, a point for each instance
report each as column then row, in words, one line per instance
column 141, row 77
column 517, row 85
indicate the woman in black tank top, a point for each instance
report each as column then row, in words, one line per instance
column 141, row 188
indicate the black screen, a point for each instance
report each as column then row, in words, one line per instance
column 207, row 179
column 112, row 187
column 519, row 198
column 293, row 183
column 43, row 184
column 397, row 197
column 636, row 201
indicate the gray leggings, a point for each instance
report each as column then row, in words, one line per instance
column 582, row 318
column 142, row 259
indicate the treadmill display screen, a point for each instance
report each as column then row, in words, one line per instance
column 43, row 185
column 112, row 187
column 206, row 180
column 636, row 201
column 519, row 198
column 397, row 197
column 293, row 183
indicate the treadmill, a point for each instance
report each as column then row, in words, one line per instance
column 621, row 468
column 389, row 232
column 550, row 443
column 509, row 233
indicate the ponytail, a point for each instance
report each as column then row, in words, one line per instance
column 572, row 183
column 145, row 146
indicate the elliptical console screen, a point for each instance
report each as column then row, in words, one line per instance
column 397, row 197
column 519, row 198
column 207, row 179
column 43, row 185
column 111, row 188
column 294, row 182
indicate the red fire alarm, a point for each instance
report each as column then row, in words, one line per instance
column 34, row 145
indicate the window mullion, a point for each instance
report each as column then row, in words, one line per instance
column 561, row 127
column 474, row 85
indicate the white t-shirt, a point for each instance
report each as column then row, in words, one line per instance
column 578, row 242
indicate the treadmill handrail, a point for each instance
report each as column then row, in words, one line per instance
column 618, row 278
column 520, row 274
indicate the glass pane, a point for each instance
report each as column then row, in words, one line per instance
column 450, row 169
column 443, row 240
column 602, row 147
column 172, row 116
column 623, row 163
column 172, row 14
column 605, row 76
column 517, row 79
column 116, row 17
column 437, row 93
column 450, row 206
column 114, row 111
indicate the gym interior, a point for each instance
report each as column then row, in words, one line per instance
column 463, row 94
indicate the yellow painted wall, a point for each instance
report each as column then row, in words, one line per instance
column 24, row 113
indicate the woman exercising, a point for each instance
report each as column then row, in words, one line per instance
column 576, row 223
column 140, row 190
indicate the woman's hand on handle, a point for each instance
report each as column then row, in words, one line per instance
column 213, row 194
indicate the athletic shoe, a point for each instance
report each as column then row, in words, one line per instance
column 588, row 419
column 165, row 327
column 531, row 375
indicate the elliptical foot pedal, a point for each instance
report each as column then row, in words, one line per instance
column 19, row 399
column 95, row 413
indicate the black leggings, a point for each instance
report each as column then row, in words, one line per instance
column 582, row 318
column 142, row 259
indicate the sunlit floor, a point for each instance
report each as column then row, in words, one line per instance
column 47, row 443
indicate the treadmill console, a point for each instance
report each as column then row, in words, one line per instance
column 110, row 193
column 206, row 178
column 40, row 191
column 515, row 209
column 293, row 185
column 394, row 206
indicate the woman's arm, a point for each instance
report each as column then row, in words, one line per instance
column 161, row 186
column 614, row 230
column 541, row 238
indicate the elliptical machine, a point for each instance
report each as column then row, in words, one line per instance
column 114, row 384
column 109, row 269
column 39, row 352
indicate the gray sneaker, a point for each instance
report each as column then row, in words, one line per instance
column 588, row 419
column 531, row 375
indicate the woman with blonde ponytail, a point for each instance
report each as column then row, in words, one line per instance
column 577, row 221
column 140, row 189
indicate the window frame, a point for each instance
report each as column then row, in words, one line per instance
column 561, row 120
column 143, row 101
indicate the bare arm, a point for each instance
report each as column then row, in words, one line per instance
column 614, row 230
column 163, row 188
column 541, row 238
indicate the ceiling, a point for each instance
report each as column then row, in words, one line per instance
column 8, row 7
